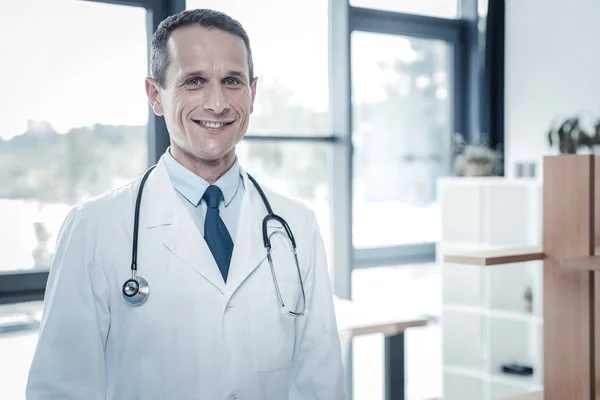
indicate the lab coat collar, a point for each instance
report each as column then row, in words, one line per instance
column 181, row 236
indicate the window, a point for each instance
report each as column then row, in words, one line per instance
column 482, row 8
column 433, row 8
column 402, row 121
column 290, row 52
column 75, row 116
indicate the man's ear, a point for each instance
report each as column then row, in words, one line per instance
column 153, row 93
column 253, row 90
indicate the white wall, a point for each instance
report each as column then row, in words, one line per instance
column 552, row 70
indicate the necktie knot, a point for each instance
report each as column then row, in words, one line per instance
column 212, row 196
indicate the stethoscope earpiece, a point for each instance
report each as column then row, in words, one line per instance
column 135, row 291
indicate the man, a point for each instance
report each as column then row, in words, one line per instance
column 212, row 326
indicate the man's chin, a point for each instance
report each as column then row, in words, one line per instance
column 213, row 155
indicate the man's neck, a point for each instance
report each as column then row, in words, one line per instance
column 209, row 170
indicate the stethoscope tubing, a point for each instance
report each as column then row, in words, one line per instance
column 136, row 289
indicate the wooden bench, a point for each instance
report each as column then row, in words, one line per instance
column 356, row 319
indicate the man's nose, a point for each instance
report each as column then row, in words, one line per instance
column 216, row 99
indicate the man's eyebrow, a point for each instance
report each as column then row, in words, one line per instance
column 237, row 74
column 202, row 74
column 192, row 73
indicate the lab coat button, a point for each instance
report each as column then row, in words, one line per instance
column 234, row 397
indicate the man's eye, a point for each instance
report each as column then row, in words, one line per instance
column 232, row 81
column 194, row 81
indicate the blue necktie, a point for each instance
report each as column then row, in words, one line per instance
column 215, row 232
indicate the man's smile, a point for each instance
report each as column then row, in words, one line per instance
column 212, row 125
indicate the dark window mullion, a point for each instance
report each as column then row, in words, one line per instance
column 21, row 286
column 394, row 23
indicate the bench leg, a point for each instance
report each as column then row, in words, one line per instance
column 394, row 372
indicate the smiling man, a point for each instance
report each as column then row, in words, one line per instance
column 204, row 86
column 232, row 310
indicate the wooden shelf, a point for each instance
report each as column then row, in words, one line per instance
column 496, row 256
column 530, row 396
column 590, row 263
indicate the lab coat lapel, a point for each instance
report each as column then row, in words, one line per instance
column 181, row 235
column 249, row 250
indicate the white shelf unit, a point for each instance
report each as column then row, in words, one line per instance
column 485, row 321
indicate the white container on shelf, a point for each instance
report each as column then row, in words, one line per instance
column 486, row 319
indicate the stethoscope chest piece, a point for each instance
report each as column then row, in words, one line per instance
column 136, row 290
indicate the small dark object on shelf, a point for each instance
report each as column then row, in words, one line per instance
column 528, row 299
column 517, row 369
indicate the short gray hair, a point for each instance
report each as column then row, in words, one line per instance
column 159, row 52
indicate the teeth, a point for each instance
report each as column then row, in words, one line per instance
column 214, row 125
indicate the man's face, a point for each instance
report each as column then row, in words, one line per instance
column 208, row 96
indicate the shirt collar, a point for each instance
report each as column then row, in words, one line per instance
column 192, row 187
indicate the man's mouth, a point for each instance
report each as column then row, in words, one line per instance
column 212, row 124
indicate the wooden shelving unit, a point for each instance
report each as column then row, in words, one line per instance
column 571, row 316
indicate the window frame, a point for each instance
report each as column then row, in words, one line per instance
column 455, row 33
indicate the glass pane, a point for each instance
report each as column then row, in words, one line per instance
column 297, row 170
column 434, row 8
column 290, row 61
column 482, row 7
column 402, row 119
column 19, row 325
column 74, row 115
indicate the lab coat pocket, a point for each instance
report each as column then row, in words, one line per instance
column 272, row 329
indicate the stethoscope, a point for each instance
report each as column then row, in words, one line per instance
column 136, row 289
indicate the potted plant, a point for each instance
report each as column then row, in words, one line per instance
column 476, row 159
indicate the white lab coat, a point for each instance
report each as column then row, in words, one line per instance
column 195, row 337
